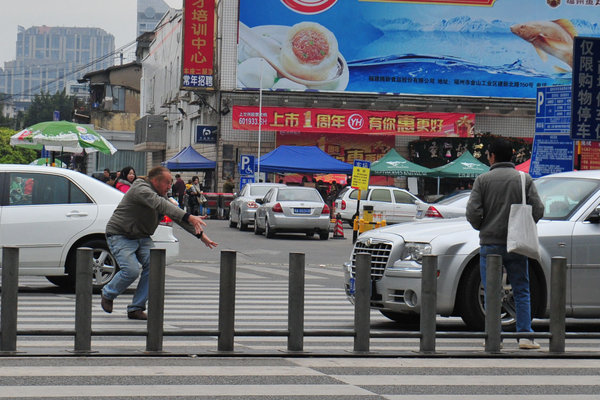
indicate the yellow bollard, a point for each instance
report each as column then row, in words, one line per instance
column 368, row 217
column 361, row 225
column 383, row 223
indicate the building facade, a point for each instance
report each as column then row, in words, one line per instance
column 48, row 58
column 149, row 12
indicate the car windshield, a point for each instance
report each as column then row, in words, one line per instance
column 562, row 196
column 298, row 195
column 259, row 191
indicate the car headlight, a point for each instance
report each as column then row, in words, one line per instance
column 415, row 251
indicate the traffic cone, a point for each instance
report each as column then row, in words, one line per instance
column 338, row 232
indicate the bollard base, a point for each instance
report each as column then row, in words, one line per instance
column 82, row 352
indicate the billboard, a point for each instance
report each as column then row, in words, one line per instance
column 585, row 112
column 333, row 120
column 502, row 48
column 198, row 44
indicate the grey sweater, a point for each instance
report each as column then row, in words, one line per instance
column 140, row 211
column 493, row 194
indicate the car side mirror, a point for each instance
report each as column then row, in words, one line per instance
column 594, row 216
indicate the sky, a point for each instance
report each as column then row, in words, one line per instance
column 117, row 17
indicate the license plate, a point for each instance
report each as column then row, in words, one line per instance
column 419, row 213
column 352, row 288
column 301, row 210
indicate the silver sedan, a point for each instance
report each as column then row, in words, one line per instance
column 292, row 209
column 243, row 207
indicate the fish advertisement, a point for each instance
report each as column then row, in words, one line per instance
column 489, row 48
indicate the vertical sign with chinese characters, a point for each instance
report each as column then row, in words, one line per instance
column 198, row 44
column 585, row 108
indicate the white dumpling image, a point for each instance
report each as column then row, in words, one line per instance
column 249, row 72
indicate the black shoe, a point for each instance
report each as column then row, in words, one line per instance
column 107, row 304
column 137, row 314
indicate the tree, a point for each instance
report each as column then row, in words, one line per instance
column 13, row 155
column 43, row 106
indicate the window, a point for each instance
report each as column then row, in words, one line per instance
column 35, row 189
column 382, row 195
column 403, row 197
column 354, row 194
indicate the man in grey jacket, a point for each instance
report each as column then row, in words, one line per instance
column 488, row 210
column 128, row 235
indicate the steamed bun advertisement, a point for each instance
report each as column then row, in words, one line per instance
column 501, row 48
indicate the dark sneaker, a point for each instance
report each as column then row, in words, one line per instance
column 137, row 314
column 107, row 304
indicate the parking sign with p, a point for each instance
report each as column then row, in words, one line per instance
column 246, row 164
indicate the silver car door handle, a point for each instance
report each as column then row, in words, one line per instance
column 562, row 244
column 77, row 214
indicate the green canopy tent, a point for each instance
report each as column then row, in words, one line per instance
column 465, row 166
column 393, row 164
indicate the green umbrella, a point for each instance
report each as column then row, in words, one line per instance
column 465, row 166
column 47, row 161
column 62, row 136
column 393, row 164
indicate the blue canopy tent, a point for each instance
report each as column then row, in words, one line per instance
column 189, row 159
column 302, row 159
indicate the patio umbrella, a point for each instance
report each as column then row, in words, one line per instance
column 62, row 136
column 46, row 161
column 393, row 164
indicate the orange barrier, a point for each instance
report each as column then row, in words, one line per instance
column 338, row 232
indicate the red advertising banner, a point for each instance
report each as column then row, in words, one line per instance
column 488, row 3
column 198, row 44
column 326, row 120
column 590, row 155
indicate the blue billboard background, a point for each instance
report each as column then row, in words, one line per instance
column 430, row 48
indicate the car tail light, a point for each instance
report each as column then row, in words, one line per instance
column 166, row 221
column 433, row 213
column 277, row 208
column 343, row 204
column 252, row 204
column 325, row 209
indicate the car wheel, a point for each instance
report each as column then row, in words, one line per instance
column 310, row 234
column 269, row 232
column 104, row 264
column 402, row 318
column 241, row 226
column 324, row 235
column 351, row 222
column 471, row 302
column 232, row 223
column 257, row 230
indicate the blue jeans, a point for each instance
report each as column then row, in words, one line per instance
column 130, row 253
column 517, row 269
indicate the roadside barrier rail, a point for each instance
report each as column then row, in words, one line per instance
column 295, row 331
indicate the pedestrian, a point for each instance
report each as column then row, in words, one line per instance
column 105, row 175
column 488, row 210
column 128, row 235
column 179, row 190
column 125, row 179
column 228, row 186
column 112, row 179
column 194, row 192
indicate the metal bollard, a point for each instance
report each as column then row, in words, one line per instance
column 428, row 303
column 493, row 304
column 10, row 290
column 296, row 302
column 227, row 301
column 362, row 303
column 156, row 300
column 558, row 300
column 83, row 299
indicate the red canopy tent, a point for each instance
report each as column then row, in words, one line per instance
column 524, row 166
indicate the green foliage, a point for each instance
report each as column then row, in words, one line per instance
column 43, row 106
column 13, row 155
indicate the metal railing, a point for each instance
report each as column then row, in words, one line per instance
column 295, row 331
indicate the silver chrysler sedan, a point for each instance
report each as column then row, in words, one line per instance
column 570, row 228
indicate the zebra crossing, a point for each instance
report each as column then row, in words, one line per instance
column 191, row 303
column 298, row 378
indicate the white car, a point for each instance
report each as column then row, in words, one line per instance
column 292, row 209
column 394, row 204
column 49, row 212
column 452, row 205
column 570, row 228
